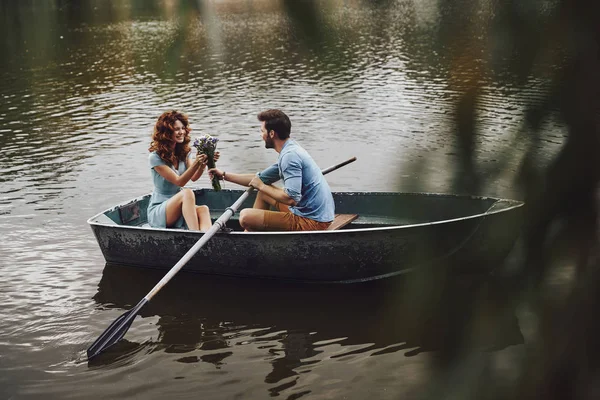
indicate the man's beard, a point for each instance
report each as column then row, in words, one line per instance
column 269, row 144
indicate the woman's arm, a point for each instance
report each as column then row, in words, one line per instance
column 167, row 172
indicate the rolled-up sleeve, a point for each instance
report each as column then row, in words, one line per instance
column 269, row 175
column 291, row 169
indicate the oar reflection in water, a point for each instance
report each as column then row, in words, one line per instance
column 198, row 315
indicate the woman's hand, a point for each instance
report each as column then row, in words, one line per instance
column 217, row 156
column 201, row 160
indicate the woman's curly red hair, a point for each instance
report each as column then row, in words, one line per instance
column 162, row 138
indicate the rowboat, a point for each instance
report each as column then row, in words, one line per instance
column 394, row 233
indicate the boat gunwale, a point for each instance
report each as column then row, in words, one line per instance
column 517, row 204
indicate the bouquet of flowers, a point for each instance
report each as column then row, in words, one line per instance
column 206, row 145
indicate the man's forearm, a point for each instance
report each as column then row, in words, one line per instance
column 277, row 194
column 240, row 179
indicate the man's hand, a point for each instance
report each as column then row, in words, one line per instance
column 215, row 172
column 256, row 183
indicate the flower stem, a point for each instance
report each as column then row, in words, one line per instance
column 215, row 181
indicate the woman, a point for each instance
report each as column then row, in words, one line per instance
column 170, row 206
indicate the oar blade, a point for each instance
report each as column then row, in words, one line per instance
column 114, row 332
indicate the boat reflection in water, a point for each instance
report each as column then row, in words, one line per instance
column 209, row 318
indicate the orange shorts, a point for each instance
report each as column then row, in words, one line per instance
column 284, row 220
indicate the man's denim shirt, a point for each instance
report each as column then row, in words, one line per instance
column 303, row 182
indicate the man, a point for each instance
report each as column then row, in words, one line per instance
column 305, row 202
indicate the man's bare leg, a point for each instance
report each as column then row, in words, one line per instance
column 252, row 219
column 263, row 202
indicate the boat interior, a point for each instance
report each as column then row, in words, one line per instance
column 373, row 209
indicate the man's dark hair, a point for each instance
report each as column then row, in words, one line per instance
column 277, row 121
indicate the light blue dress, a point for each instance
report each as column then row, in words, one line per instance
column 163, row 191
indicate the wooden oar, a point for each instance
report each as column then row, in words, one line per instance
column 120, row 326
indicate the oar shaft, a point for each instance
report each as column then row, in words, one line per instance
column 340, row 165
column 219, row 223
column 190, row 253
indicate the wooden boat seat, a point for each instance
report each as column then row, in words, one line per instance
column 341, row 220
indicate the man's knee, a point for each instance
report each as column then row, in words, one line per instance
column 244, row 219
column 248, row 219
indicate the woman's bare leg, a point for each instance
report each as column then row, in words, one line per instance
column 203, row 218
column 183, row 203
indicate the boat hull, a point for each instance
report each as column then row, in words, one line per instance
column 366, row 250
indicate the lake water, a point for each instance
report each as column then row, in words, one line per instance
column 81, row 86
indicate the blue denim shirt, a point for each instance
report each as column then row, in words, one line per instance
column 303, row 182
